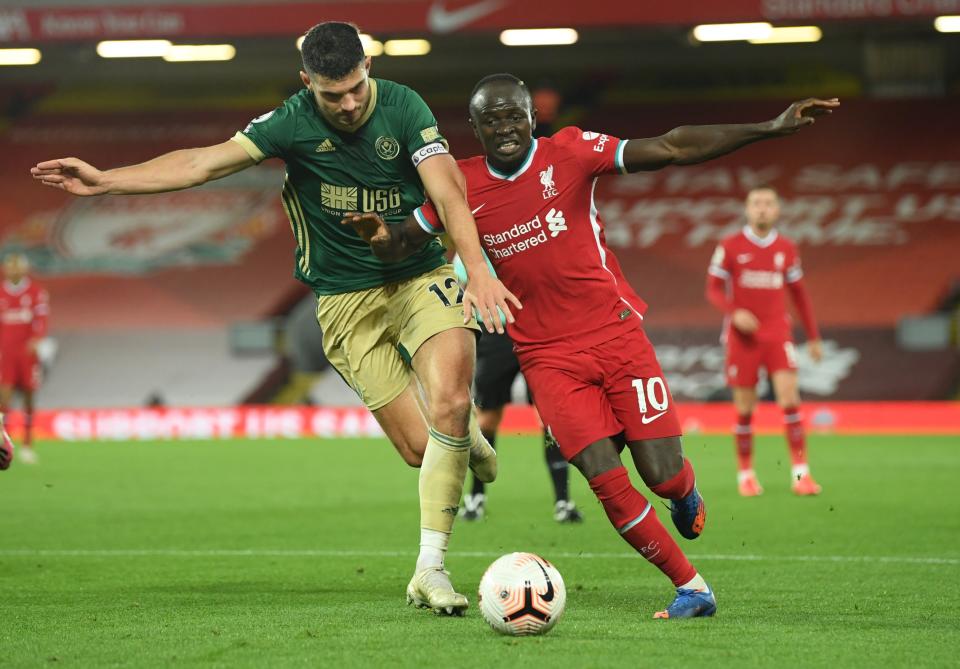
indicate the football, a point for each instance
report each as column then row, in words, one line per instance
column 522, row 594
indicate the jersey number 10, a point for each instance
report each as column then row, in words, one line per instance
column 655, row 393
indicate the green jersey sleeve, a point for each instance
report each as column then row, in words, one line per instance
column 420, row 128
column 269, row 135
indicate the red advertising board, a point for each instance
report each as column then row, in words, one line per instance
column 282, row 422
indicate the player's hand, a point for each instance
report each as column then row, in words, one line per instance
column 32, row 345
column 804, row 112
column 815, row 349
column 486, row 294
column 371, row 228
column 70, row 174
column 744, row 321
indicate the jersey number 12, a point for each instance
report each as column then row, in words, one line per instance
column 448, row 284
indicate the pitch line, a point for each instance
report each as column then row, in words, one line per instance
column 321, row 553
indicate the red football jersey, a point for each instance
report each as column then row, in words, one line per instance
column 23, row 313
column 757, row 272
column 541, row 231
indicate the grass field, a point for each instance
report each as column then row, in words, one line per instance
column 297, row 554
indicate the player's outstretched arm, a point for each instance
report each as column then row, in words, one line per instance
column 484, row 292
column 691, row 144
column 390, row 243
column 171, row 171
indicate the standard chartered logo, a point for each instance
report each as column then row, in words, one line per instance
column 355, row 198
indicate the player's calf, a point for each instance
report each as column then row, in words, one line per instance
column 483, row 457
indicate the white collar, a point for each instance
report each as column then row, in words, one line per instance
column 762, row 242
column 527, row 162
column 17, row 288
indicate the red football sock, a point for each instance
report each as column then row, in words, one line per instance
column 679, row 486
column 637, row 522
column 743, row 435
column 28, row 429
column 793, row 426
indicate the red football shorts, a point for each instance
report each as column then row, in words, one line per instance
column 613, row 387
column 20, row 370
column 745, row 357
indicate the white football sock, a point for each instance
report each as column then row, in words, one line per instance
column 433, row 546
column 696, row 583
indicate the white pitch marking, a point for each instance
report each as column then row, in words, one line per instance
column 307, row 552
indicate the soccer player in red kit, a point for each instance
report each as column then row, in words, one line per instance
column 748, row 279
column 24, row 307
column 593, row 374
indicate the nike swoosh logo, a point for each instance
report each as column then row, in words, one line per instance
column 646, row 420
column 548, row 595
column 442, row 20
column 479, row 208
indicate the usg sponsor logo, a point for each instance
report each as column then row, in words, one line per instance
column 337, row 198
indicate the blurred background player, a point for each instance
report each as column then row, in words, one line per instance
column 24, row 308
column 497, row 369
column 747, row 280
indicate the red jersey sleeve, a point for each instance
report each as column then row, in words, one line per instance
column 429, row 219
column 798, row 291
column 794, row 272
column 596, row 152
column 721, row 265
column 40, row 313
column 718, row 274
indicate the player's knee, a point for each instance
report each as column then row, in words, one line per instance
column 657, row 460
column 451, row 408
column 788, row 399
column 597, row 458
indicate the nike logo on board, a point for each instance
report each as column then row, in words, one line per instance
column 442, row 20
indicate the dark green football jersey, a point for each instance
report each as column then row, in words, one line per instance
column 331, row 171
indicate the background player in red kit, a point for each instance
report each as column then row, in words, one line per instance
column 594, row 376
column 748, row 278
column 24, row 307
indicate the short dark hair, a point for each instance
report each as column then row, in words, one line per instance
column 501, row 77
column 332, row 49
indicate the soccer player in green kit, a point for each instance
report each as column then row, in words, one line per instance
column 353, row 143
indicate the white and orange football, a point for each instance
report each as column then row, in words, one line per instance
column 522, row 594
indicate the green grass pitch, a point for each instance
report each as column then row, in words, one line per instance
column 296, row 553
